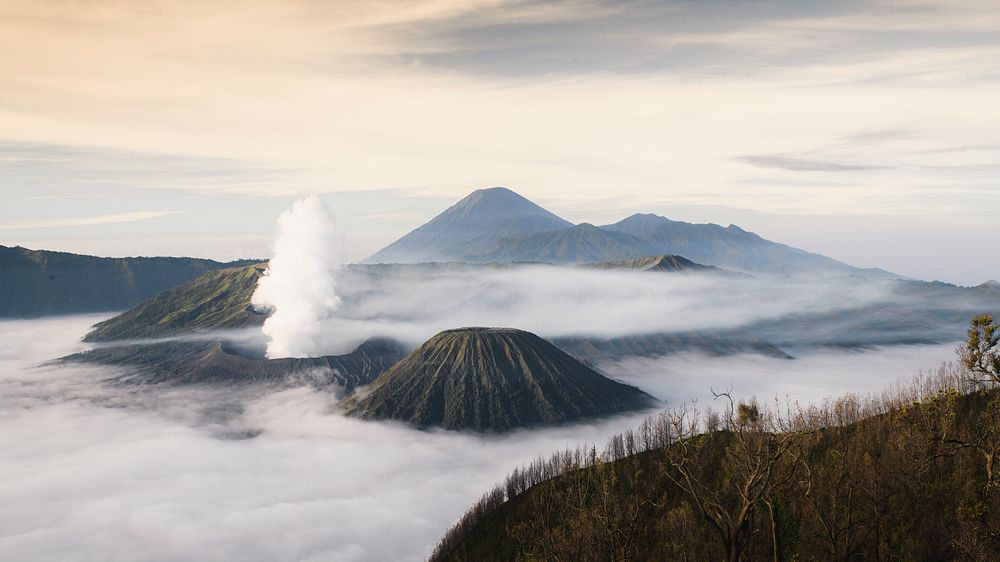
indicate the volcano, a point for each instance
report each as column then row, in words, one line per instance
column 492, row 379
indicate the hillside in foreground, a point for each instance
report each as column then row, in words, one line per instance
column 492, row 379
column 911, row 474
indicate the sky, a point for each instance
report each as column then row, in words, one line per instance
column 868, row 131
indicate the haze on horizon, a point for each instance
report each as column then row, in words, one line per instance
column 867, row 131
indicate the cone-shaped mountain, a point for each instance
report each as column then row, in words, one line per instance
column 492, row 379
column 470, row 226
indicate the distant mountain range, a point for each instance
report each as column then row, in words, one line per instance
column 38, row 282
column 492, row 379
column 498, row 225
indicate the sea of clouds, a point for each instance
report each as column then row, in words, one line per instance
column 91, row 471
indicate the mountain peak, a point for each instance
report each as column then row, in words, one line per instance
column 990, row 286
column 496, row 202
column 494, row 192
column 470, row 226
column 644, row 218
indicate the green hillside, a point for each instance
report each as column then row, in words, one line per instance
column 38, row 283
column 215, row 300
column 492, row 379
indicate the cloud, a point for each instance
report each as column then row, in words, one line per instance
column 878, row 136
column 32, row 170
column 439, row 97
column 90, row 472
column 807, row 379
column 793, row 164
column 93, row 472
column 961, row 148
column 411, row 306
column 133, row 216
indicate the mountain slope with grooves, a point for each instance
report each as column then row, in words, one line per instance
column 583, row 243
column 216, row 300
column 492, row 379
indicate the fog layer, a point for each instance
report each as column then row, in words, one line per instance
column 94, row 472
column 411, row 305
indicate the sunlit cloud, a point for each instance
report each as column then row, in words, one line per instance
column 87, row 221
column 793, row 164
column 562, row 101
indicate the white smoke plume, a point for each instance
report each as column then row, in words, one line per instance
column 300, row 283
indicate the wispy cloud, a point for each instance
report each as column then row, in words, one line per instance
column 960, row 148
column 878, row 136
column 86, row 221
column 793, row 164
column 562, row 101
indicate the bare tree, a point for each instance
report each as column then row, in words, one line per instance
column 757, row 444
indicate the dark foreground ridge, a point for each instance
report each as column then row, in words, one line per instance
column 492, row 379
column 908, row 476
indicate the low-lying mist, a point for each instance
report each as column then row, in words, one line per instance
column 90, row 471
column 551, row 301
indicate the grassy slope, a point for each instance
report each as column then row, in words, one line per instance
column 215, row 300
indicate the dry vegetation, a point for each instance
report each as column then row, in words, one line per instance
column 908, row 474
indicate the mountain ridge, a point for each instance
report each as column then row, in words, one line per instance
column 498, row 225
column 215, row 300
column 43, row 282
